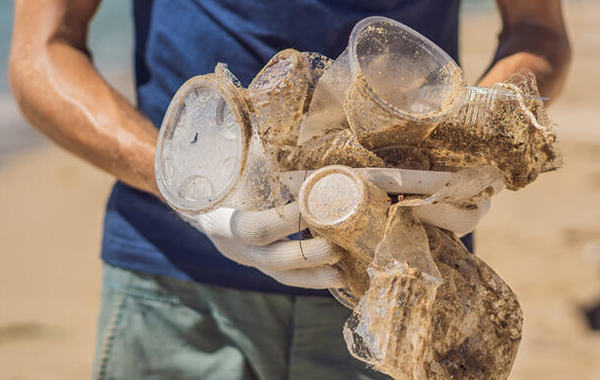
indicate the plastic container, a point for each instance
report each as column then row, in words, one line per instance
column 208, row 154
column 392, row 86
column 402, row 85
column 278, row 94
column 340, row 204
column 389, row 79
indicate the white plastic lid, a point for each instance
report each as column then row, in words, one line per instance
column 202, row 145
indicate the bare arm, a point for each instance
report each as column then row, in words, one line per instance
column 62, row 94
column 533, row 37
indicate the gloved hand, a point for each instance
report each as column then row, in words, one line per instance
column 258, row 239
column 453, row 218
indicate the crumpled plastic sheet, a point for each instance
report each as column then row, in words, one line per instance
column 433, row 310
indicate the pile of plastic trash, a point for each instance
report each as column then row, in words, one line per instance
column 356, row 141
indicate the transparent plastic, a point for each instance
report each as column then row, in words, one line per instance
column 443, row 315
column 390, row 327
column 326, row 109
column 505, row 126
column 338, row 203
column 393, row 86
column 402, row 84
column 389, row 79
column 418, row 296
column 208, row 154
column 278, row 94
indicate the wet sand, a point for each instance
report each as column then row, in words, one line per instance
column 51, row 209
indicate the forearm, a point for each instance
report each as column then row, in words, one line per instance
column 61, row 93
column 534, row 38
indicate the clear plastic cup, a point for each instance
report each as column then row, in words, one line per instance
column 278, row 94
column 208, row 154
column 338, row 203
column 403, row 84
column 392, row 86
column 393, row 83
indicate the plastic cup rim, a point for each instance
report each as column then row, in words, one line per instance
column 434, row 50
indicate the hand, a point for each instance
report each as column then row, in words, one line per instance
column 453, row 218
column 258, row 239
column 460, row 220
column 533, row 37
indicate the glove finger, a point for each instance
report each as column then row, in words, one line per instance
column 322, row 277
column 264, row 227
column 215, row 224
column 294, row 254
column 450, row 217
column 233, row 250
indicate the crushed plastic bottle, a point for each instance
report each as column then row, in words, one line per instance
column 514, row 134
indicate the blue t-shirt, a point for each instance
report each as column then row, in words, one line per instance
column 178, row 39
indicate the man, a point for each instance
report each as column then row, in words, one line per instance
column 172, row 306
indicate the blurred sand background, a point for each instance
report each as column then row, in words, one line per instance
column 544, row 240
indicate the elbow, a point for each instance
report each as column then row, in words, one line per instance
column 15, row 74
column 20, row 75
column 25, row 79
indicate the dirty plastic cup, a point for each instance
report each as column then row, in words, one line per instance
column 278, row 93
column 403, row 84
column 392, row 86
column 340, row 204
column 208, row 155
column 393, row 82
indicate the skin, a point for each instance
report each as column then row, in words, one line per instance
column 60, row 91
column 533, row 37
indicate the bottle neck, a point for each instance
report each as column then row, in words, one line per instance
column 478, row 106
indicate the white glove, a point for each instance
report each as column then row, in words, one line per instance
column 440, row 214
column 453, row 218
column 258, row 239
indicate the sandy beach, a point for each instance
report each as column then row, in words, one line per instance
column 544, row 240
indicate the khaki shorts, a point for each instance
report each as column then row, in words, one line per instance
column 156, row 327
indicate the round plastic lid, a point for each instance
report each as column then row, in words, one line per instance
column 404, row 69
column 202, row 145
